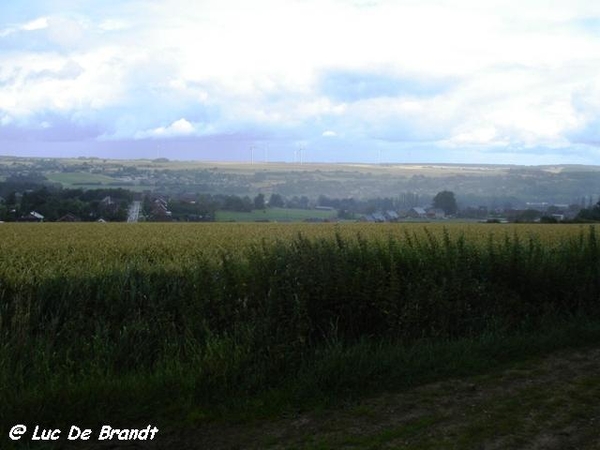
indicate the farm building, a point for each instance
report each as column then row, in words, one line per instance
column 388, row 216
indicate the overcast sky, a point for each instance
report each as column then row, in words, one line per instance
column 494, row 81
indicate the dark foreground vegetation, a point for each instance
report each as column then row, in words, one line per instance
column 285, row 326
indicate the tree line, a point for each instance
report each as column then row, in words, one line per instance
column 19, row 197
column 54, row 203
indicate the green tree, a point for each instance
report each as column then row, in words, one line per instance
column 445, row 200
column 11, row 200
column 276, row 201
column 529, row 215
column 592, row 213
column 259, row 201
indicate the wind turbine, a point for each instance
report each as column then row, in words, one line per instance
column 301, row 150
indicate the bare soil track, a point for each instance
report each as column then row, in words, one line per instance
column 546, row 403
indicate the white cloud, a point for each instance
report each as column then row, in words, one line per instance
column 33, row 25
column 484, row 135
column 37, row 24
column 524, row 72
column 49, row 82
column 178, row 128
column 67, row 32
column 114, row 25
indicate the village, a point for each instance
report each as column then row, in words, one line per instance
column 124, row 206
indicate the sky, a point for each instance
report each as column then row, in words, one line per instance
column 457, row 81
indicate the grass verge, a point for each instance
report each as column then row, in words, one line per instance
column 335, row 377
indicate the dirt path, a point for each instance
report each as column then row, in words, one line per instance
column 548, row 403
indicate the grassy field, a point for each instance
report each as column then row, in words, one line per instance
column 86, row 180
column 70, row 179
column 188, row 324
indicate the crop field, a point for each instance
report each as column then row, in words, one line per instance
column 37, row 250
column 275, row 214
column 190, row 321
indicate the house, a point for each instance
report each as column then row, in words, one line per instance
column 160, row 211
column 69, row 218
column 436, row 213
column 108, row 205
column 392, row 216
column 378, row 217
column 160, row 202
column 417, row 213
column 188, row 197
column 195, row 218
column 33, row 216
column 107, row 201
column 37, row 216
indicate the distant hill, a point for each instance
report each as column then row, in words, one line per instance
column 473, row 184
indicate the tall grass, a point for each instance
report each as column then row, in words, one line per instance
column 138, row 339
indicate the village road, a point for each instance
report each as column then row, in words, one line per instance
column 134, row 212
